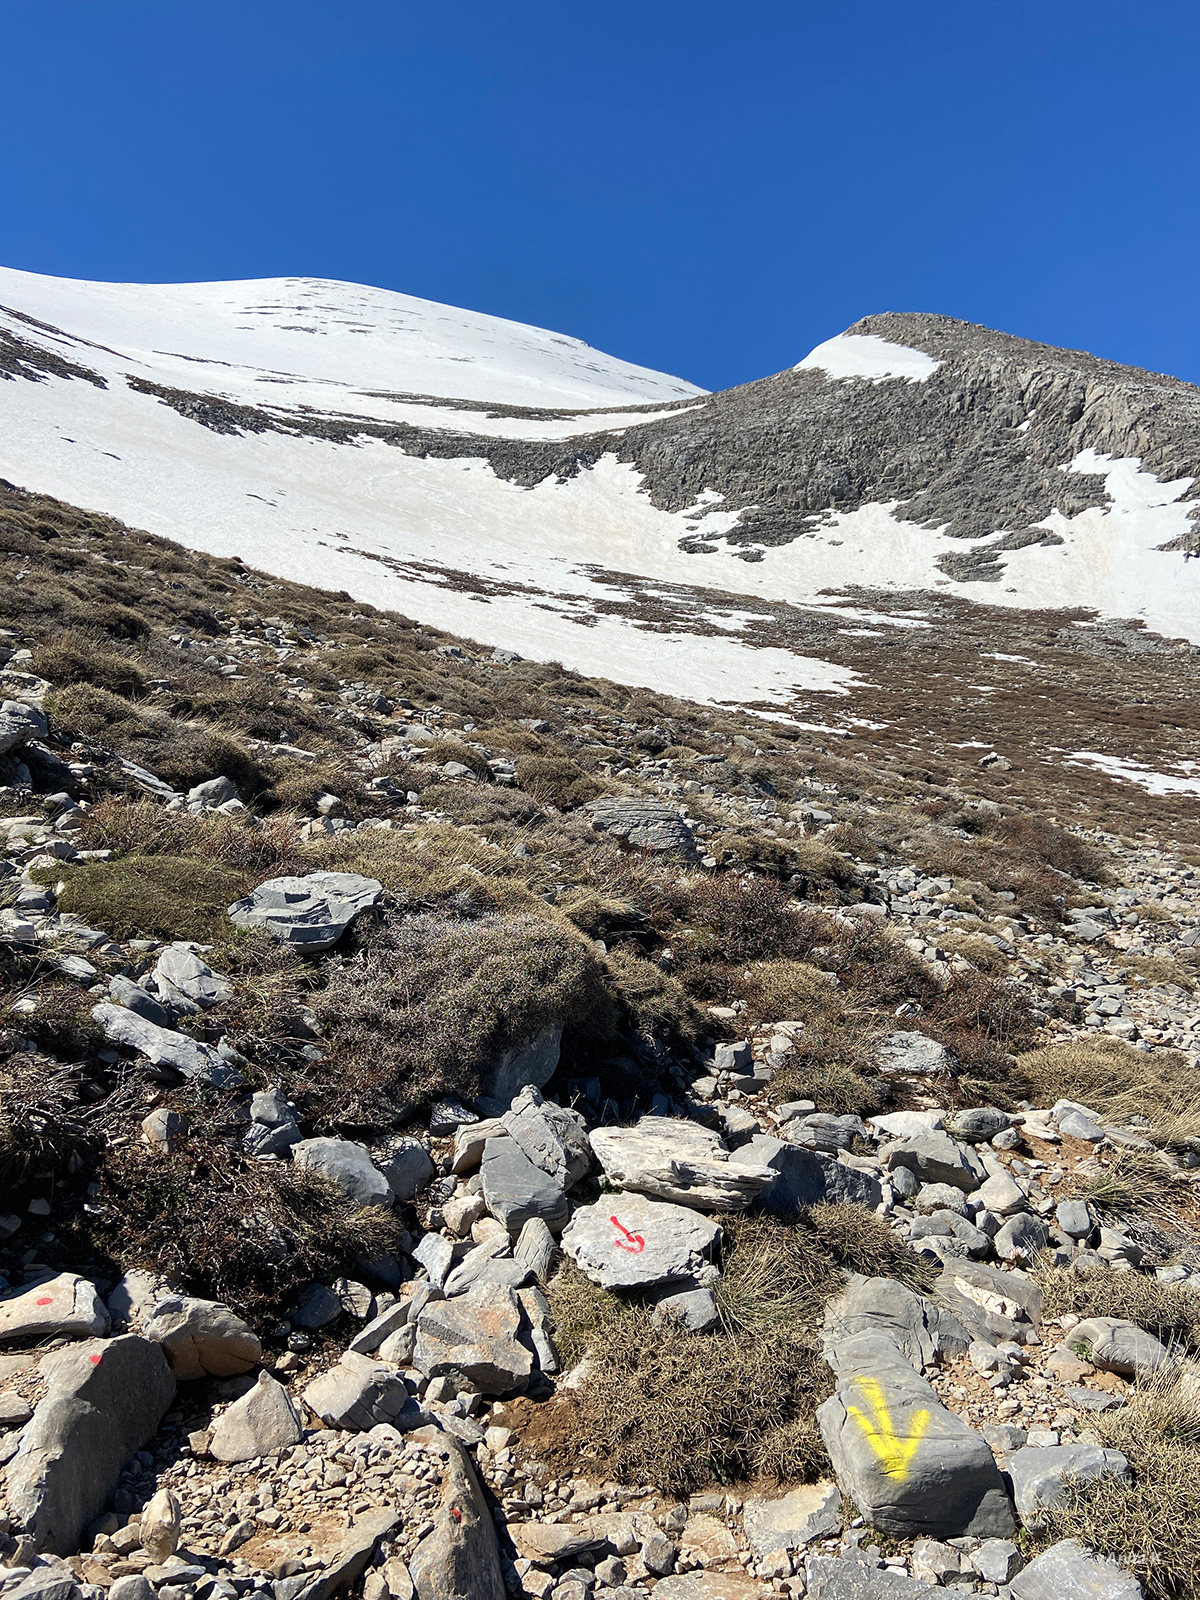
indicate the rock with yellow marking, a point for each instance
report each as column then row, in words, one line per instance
column 911, row 1467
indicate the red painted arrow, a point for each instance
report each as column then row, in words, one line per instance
column 636, row 1243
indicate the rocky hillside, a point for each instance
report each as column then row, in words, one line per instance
column 469, row 1129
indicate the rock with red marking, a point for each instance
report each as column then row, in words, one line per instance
column 626, row 1241
column 460, row 1559
column 105, row 1399
column 66, row 1305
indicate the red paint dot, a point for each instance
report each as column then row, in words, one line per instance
column 46, row 1300
column 95, row 1360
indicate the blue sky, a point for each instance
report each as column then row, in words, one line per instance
column 709, row 189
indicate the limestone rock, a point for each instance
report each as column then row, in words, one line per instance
column 937, row 1158
column 649, row 825
column 475, row 1334
column 104, row 1399
column 406, row 1165
column 628, row 1241
column 536, row 1249
column 460, row 1559
column 554, row 1139
column 202, row 1337
column 1040, row 1474
column 680, row 1161
column 309, row 913
column 159, row 1525
column 912, row 1467
column 805, row 1177
column 180, row 973
column 1116, row 1345
column 515, row 1190
column 163, row 1047
column 791, row 1521
column 66, row 1305
column 360, row 1393
column 350, row 1561
column 534, row 1062
column 921, row 1330
column 851, row 1578
column 18, row 724
column 1068, row 1571
column 912, row 1055
column 263, row 1421
column 349, row 1166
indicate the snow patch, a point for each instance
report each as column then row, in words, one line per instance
column 865, row 355
column 1154, row 783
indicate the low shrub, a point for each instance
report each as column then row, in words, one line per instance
column 71, row 658
column 1170, row 1311
column 556, row 780
column 150, row 897
column 428, row 1002
column 1115, row 1080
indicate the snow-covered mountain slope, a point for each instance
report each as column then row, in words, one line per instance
column 536, row 495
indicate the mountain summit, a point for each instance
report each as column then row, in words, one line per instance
column 527, row 491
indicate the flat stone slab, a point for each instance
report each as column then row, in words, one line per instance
column 515, row 1190
column 681, row 1161
column 1069, row 1572
column 66, row 1305
column 845, row 1578
column 650, row 825
column 791, row 1521
column 1040, row 1473
column 628, row 1241
column 805, row 1177
column 1116, row 1345
column 310, row 913
column 163, row 1047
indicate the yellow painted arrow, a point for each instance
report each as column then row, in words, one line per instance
column 894, row 1452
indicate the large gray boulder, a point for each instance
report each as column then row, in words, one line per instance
column 163, row 1047
column 911, row 1466
column 180, row 974
column 921, row 1330
column 680, row 1161
column 359, row 1393
column 514, row 1190
column 992, row 1303
column 533, row 1062
column 649, row 825
column 1040, row 1474
column 263, row 1421
column 805, row 1177
column 309, row 913
column 348, row 1564
column 104, row 1399
column 347, row 1165
column 553, row 1138
column 1068, row 1571
column 66, row 1305
column 627, row 1241
column 202, row 1338
column 1116, row 1345
column 477, row 1335
column 460, row 1559
column 935, row 1157
column 18, row 724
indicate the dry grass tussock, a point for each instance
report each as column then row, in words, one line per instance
column 1150, row 1523
column 151, row 897
column 429, row 1000
column 1170, row 1311
column 227, row 1227
column 1117, row 1081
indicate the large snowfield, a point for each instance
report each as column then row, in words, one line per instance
column 558, row 562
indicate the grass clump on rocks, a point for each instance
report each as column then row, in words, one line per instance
column 1170, row 1311
column 150, row 897
column 1115, row 1080
column 227, row 1227
column 428, row 1001
column 1130, row 1519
